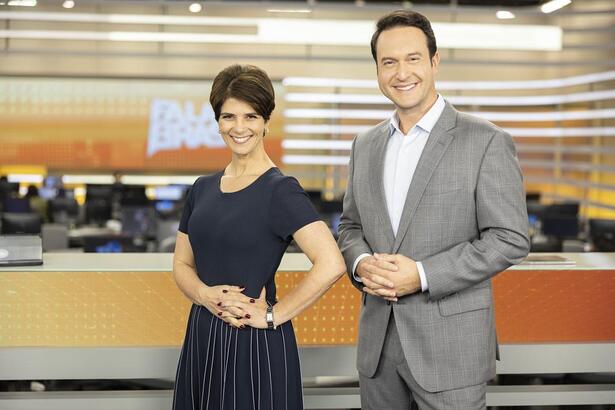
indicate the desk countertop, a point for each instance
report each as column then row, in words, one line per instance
column 295, row 262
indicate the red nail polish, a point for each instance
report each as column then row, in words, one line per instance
column 219, row 313
column 247, row 316
column 251, row 300
column 224, row 291
column 219, row 303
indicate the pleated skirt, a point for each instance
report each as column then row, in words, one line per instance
column 222, row 367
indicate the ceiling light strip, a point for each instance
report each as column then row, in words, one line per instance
column 129, row 36
column 533, row 164
column 330, row 32
column 459, row 85
column 317, row 144
column 151, row 19
column 491, row 116
column 328, row 129
column 88, row 179
column 130, row 179
column 454, row 99
column 159, row 179
column 315, row 159
column 325, row 144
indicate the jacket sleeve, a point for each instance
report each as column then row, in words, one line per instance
column 502, row 221
column 351, row 240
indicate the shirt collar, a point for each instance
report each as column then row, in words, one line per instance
column 427, row 121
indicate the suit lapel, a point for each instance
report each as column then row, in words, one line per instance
column 439, row 139
column 376, row 172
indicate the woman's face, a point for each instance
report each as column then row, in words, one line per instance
column 242, row 129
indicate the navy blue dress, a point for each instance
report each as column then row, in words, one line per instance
column 238, row 239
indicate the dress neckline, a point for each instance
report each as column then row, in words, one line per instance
column 244, row 188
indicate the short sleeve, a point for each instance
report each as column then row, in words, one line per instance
column 188, row 207
column 291, row 208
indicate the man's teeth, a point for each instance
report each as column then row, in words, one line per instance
column 406, row 87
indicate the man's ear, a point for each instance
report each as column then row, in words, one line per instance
column 435, row 60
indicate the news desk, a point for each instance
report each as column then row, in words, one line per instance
column 120, row 316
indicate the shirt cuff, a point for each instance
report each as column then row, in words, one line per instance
column 422, row 276
column 356, row 263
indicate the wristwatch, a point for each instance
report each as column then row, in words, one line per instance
column 269, row 317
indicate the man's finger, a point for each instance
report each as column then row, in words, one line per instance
column 386, row 265
column 369, row 291
column 379, row 279
column 370, row 284
column 386, row 257
column 386, row 292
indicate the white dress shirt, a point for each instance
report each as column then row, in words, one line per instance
column 401, row 158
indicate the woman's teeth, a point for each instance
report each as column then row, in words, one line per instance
column 240, row 140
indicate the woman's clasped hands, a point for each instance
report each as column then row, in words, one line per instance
column 230, row 304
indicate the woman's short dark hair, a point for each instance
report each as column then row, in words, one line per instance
column 246, row 83
column 405, row 18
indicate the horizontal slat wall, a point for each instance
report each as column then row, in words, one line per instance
column 564, row 129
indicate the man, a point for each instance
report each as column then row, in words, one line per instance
column 433, row 209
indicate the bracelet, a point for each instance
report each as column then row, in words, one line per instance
column 269, row 317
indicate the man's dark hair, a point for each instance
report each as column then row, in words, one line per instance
column 405, row 18
column 246, row 83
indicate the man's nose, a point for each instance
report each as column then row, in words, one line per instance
column 403, row 72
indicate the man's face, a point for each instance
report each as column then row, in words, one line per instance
column 406, row 75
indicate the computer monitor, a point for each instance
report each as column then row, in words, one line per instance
column 602, row 234
column 17, row 205
column 97, row 211
column 111, row 244
column 96, row 191
column 133, row 195
column 63, row 210
column 331, row 207
column 564, row 209
column 21, row 223
column 139, row 221
column 560, row 226
column 536, row 210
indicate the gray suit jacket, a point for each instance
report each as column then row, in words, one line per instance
column 465, row 219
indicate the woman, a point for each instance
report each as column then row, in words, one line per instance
column 240, row 350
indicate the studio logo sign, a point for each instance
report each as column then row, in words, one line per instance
column 173, row 126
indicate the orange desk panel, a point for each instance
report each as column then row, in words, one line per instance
column 79, row 309
column 87, row 309
column 553, row 306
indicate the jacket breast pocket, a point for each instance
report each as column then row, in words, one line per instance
column 468, row 300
